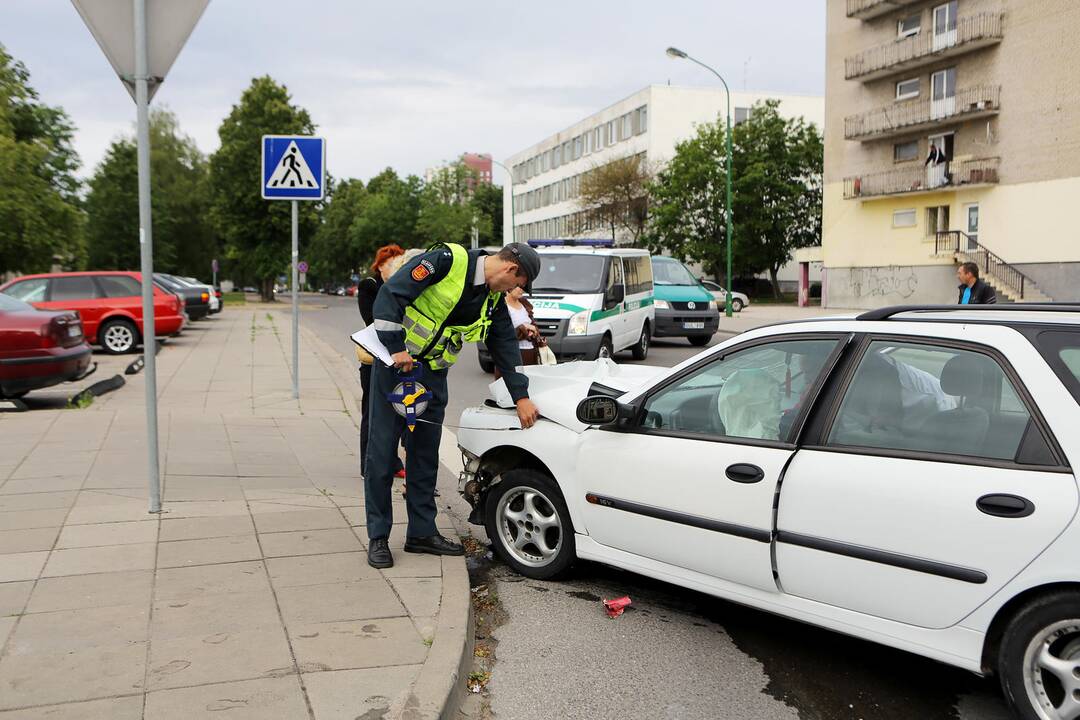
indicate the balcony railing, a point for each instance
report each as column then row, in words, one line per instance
column 971, row 32
column 865, row 9
column 909, row 116
column 919, row 178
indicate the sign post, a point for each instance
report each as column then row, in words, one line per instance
column 293, row 169
column 214, row 269
column 141, row 39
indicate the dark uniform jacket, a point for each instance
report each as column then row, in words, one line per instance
column 981, row 294
column 365, row 296
column 404, row 287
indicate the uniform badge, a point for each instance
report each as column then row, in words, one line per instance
column 422, row 270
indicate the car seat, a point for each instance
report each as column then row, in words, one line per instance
column 963, row 429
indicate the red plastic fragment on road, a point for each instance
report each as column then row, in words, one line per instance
column 616, row 607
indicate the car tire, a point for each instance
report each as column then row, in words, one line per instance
column 118, row 336
column 736, row 305
column 640, row 351
column 487, row 366
column 540, row 550
column 1050, row 623
column 699, row 340
column 606, row 349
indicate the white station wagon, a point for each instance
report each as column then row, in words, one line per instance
column 905, row 476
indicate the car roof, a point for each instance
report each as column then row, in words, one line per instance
column 587, row 250
column 75, row 273
column 1058, row 315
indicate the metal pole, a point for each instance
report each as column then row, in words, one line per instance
column 295, row 301
column 146, row 253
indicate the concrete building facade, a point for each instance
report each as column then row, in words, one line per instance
column 991, row 84
column 547, row 174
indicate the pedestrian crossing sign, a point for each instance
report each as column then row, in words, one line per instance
column 293, row 167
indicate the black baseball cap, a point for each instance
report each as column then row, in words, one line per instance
column 528, row 261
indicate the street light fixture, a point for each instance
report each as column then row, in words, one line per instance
column 678, row 54
column 510, row 176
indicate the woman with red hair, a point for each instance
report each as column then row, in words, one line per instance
column 388, row 259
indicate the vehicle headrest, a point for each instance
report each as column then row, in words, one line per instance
column 962, row 376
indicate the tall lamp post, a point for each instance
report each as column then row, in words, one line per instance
column 677, row 53
column 510, row 177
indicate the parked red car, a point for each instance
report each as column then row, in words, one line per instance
column 39, row 348
column 109, row 303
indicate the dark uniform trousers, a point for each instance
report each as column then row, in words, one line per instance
column 421, row 459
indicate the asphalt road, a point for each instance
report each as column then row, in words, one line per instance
column 676, row 654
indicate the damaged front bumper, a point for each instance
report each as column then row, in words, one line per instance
column 472, row 484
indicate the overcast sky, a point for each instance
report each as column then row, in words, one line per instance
column 408, row 84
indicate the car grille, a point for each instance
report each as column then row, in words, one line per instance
column 699, row 305
column 548, row 328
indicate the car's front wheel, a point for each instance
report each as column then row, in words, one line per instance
column 529, row 525
column 736, row 305
column 1039, row 659
column 118, row 336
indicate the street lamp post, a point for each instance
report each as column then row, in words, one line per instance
column 728, row 221
column 510, row 177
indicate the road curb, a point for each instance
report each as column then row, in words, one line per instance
column 437, row 691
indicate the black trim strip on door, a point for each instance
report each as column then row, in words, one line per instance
column 931, row 567
column 750, row 533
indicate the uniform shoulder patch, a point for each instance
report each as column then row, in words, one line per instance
column 422, row 270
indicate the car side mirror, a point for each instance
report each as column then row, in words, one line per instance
column 602, row 410
column 616, row 294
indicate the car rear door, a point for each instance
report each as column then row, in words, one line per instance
column 691, row 482
column 79, row 293
column 124, row 295
column 931, row 482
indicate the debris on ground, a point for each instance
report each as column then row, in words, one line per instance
column 616, row 607
column 477, row 681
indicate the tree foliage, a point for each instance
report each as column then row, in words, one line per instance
column 184, row 240
column 256, row 232
column 41, row 223
column 617, row 195
column 776, row 188
column 447, row 209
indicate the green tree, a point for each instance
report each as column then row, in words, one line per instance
column 332, row 255
column 488, row 200
column 184, row 240
column 256, row 232
column 447, row 210
column 41, row 223
column 617, row 195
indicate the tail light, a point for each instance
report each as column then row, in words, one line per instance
column 64, row 330
column 217, row 294
column 179, row 302
column 205, row 297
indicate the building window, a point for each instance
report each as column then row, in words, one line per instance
column 937, row 219
column 577, row 147
column 627, row 126
column 908, row 26
column 906, row 89
column 742, row 114
column 567, row 152
column 611, row 132
column 598, row 138
column 903, row 218
column 903, row 152
column 643, row 119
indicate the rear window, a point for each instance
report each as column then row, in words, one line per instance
column 77, row 287
column 117, row 286
column 1061, row 348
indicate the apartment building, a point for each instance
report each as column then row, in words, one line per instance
column 952, row 133
column 547, row 174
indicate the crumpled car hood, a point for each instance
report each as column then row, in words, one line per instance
column 557, row 389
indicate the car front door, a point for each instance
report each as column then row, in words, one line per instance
column 932, row 485
column 691, row 482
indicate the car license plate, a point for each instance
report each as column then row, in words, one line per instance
column 74, row 331
column 694, row 326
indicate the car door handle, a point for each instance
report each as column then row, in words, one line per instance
column 745, row 473
column 1005, row 505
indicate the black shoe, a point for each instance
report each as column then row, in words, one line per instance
column 434, row 545
column 378, row 554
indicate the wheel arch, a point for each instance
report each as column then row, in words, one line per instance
column 119, row 315
column 996, row 631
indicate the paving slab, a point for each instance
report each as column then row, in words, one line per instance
column 118, row 708
column 74, row 592
column 260, row 699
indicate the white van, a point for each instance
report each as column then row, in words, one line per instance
column 591, row 301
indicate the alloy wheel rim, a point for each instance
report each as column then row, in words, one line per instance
column 644, row 340
column 529, row 526
column 118, row 338
column 1052, row 671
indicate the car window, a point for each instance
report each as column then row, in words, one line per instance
column 752, row 393
column 1061, row 349
column 1071, row 358
column 76, row 287
column 671, row 272
column 615, row 276
column 117, row 286
column 931, row 398
column 30, row 291
column 10, row 304
column 570, row 273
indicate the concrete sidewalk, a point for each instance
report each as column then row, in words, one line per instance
column 250, row 594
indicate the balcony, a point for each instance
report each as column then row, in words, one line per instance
column 971, row 33
column 909, row 117
column 866, row 9
column 919, row 179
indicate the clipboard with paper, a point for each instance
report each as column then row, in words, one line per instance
column 368, row 339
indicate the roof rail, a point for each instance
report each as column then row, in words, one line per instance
column 887, row 312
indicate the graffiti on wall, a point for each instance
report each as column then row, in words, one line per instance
column 893, row 281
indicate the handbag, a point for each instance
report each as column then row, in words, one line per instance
column 364, row 356
column 546, row 356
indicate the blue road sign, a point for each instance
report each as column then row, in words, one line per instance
column 293, row 167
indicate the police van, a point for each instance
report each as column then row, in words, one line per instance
column 591, row 300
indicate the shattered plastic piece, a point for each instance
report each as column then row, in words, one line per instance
column 616, row 607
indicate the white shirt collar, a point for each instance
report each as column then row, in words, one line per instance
column 478, row 276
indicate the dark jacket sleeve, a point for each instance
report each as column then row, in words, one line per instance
column 502, row 343
column 401, row 289
column 365, row 299
column 986, row 294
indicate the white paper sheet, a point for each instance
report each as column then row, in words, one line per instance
column 368, row 339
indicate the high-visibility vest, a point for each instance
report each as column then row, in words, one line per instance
column 427, row 336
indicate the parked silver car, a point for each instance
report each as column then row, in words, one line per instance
column 738, row 300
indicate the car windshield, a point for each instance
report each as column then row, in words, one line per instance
column 10, row 304
column 671, row 272
column 570, row 273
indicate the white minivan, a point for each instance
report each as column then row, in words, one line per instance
column 591, row 301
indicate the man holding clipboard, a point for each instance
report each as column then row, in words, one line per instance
column 423, row 315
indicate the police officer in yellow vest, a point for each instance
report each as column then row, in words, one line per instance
column 424, row 314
